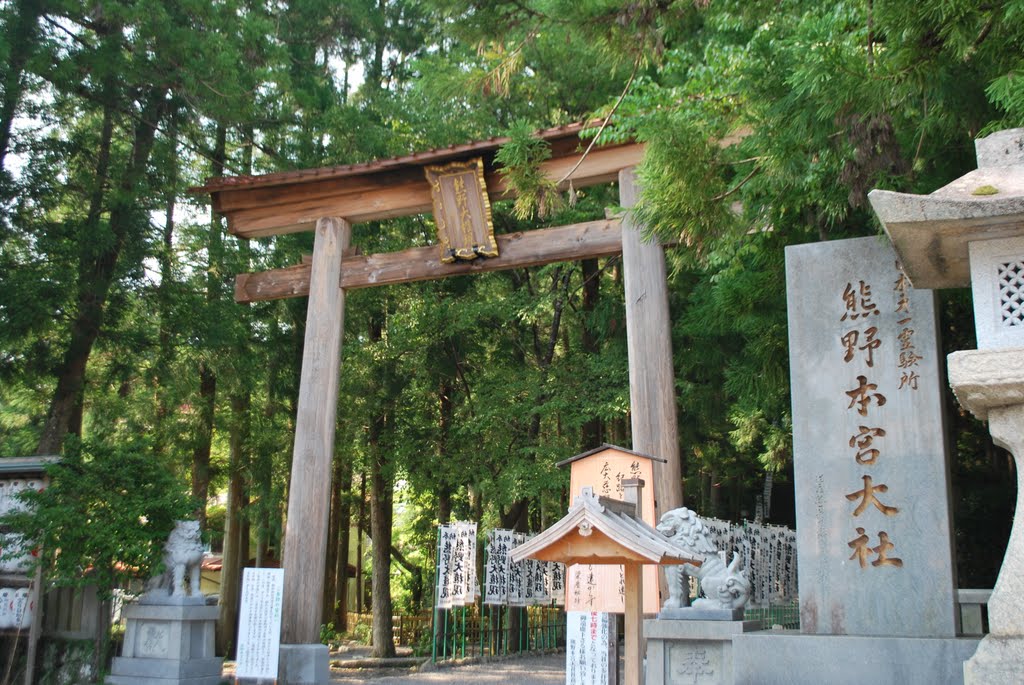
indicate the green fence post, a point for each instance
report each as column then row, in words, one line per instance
column 433, row 621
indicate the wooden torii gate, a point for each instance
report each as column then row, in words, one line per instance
column 328, row 201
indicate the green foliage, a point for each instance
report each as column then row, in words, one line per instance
column 104, row 517
column 328, row 635
column 520, row 160
column 765, row 125
column 360, row 633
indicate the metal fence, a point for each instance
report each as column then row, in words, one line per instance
column 407, row 630
column 786, row 615
column 469, row 631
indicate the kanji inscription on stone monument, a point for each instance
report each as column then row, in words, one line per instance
column 869, row 460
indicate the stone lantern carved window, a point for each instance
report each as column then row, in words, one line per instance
column 997, row 282
column 1011, row 292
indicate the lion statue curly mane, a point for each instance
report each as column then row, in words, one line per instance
column 725, row 587
column 183, row 555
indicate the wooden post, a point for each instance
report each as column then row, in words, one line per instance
column 35, row 597
column 634, row 623
column 309, row 496
column 652, row 395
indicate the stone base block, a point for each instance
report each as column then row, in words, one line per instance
column 168, row 645
column 694, row 652
column 998, row 661
column 788, row 657
column 167, row 670
column 304, row 665
column 171, row 612
column 137, row 680
column 165, row 599
column 695, row 614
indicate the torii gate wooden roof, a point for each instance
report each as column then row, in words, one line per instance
column 293, row 201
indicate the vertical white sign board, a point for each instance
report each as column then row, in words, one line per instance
column 259, row 623
column 589, row 648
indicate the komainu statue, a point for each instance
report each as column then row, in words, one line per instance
column 724, row 586
column 183, row 555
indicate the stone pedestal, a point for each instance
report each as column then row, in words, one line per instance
column 692, row 652
column 168, row 645
column 304, row 665
column 990, row 383
column 789, row 657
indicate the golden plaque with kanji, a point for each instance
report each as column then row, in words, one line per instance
column 462, row 210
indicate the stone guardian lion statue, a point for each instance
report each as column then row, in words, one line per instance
column 183, row 555
column 724, row 586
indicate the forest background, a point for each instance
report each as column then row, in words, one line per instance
column 766, row 123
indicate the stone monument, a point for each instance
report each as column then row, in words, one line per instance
column 170, row 631
column 869, row 455
column 874, row 545
column 971, row 232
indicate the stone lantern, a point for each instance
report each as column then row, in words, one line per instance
column 972, row 232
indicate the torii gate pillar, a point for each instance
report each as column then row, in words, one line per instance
column 304, row 661
column 652, row 381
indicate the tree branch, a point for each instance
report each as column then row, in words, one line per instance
column 622, row 96
column 722, row 196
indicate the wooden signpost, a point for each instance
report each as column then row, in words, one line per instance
column 603, row 587
column 606, row 531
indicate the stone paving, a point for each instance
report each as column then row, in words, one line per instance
column 534, row 669
column 547, row 669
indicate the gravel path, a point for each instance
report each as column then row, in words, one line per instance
column 531, row 670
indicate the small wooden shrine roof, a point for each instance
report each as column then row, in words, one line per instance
column 598, row 530
column 604, row 448
column 292, row 201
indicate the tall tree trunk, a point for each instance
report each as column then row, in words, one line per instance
column 446, row 413
column 345, row 525
column 381, row 495
column 236, row 527
column 444, row 505
column 380, row 533
column 207, row 376
column 515, row 518
column 203, row 441
column 333, row 539
column 361, row 532
column 593, row 430
column 22, row 39
column 444, row 489
column 375, row 72
column 97, row 275
column 163, row 296
column 92, row 225
column 232, row 560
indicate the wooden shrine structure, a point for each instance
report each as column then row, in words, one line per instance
column 605, row 531
column 606, row 469
column 328, row 201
